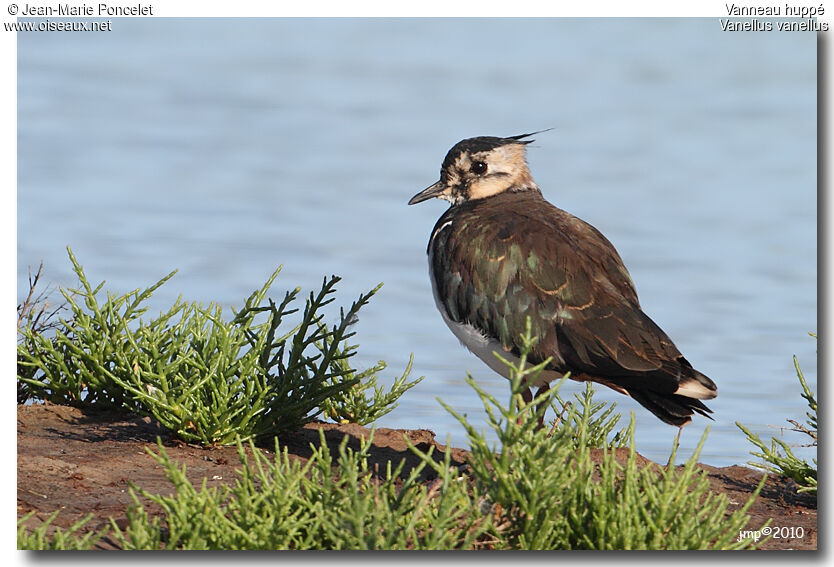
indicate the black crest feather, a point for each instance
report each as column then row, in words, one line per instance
column 485, row 143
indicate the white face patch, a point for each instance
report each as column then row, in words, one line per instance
column 506, row 168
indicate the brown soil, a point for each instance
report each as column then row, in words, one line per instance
column 82, row 462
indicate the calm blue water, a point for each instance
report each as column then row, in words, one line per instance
column 227, row 147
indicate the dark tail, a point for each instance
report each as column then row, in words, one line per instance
column 673, row 409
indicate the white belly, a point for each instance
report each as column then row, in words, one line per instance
column 483, row 347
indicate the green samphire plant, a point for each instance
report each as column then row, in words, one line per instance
column 568, row 486
column 208, row 379
column 779, row 457
column 546, row 490
column 577, row 484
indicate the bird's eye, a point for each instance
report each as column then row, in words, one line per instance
column 478, row 168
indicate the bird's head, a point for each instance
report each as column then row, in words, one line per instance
column 477, row 168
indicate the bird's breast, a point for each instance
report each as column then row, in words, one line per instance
column 481, row 345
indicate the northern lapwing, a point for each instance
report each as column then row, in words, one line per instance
column 502, row 253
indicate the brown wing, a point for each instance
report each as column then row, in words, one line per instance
column 514, row 255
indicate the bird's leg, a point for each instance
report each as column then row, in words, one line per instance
column 558, row 419
column 542, row 405
column 678, row 436
column 527, row 396
column 671, row 464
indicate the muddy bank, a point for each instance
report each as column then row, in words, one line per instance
column 81, row 463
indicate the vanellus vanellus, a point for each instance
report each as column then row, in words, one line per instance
column 502, row 253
